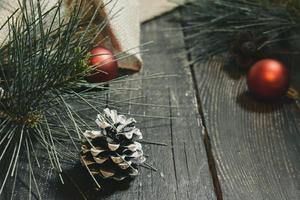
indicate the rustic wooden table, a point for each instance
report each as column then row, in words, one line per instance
column 221, row 143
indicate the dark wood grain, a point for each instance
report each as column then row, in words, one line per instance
column 255, row 145
column 185, row 163
column 166, row 109
column 169, row 102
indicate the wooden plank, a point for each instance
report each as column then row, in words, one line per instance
column 255, row 145
column 184, row 162
column 182, row 165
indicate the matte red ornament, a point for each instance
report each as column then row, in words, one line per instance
column 105, row 65
column 268, row 79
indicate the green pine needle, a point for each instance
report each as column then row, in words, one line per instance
column 42, row 60
column 211, row 26
column 46, row 104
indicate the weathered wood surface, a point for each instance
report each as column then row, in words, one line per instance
column 252, row 147
column 171, row 107
column 184, row 163
column 255, row 145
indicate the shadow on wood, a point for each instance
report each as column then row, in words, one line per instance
column 80, row 185
column 234, row 71
column 249, row 103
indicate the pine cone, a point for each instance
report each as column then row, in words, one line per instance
column 245, row 49
column 113, row 151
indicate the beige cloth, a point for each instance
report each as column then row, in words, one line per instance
column 154, row 8
column 123, row 30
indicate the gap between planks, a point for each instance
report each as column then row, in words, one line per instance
column 206, row 138
column 206, row 141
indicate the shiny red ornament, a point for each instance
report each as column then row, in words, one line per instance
column 105, row 65
column 268, row 79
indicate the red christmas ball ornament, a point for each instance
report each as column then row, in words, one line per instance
column 105, row 65
column 268, row 79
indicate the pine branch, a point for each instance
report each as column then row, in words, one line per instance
column 41, row 62
column 212, row 26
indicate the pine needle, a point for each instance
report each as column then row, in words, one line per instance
column 211, row 26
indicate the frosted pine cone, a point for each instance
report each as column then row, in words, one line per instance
column 113, row 151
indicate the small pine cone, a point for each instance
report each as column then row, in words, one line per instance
column 245, row 49
column 113, row 151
